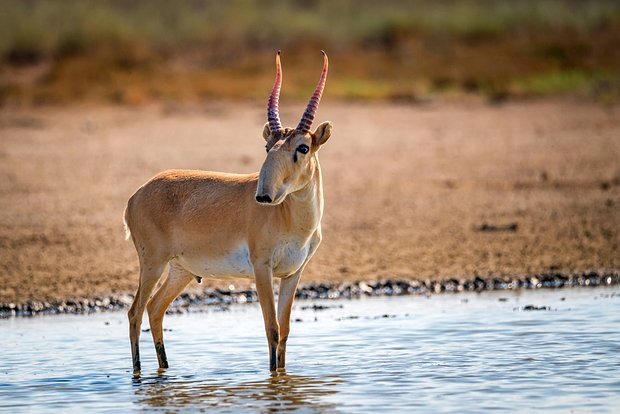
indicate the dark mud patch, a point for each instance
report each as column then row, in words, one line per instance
column 493, row 228
column 528, row 308
column 315, row 307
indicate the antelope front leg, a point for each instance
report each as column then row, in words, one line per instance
column 267, row 304
column 288, row 287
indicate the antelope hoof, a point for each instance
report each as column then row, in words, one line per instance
column 136, row 361
column 272, row 359
column 281, row 361
column 161, row 355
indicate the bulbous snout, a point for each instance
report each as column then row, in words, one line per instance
column 269, row 180
column 271, row 188
column 263, row 198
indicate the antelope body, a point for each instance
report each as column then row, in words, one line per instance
column 219, row 225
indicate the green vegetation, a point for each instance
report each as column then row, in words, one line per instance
column 135, row 51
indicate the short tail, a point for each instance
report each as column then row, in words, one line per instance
column 127, row 230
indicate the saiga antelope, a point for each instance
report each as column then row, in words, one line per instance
column 213, row 225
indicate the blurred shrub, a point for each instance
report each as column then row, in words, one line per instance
column 474, row 45
column 55, row 27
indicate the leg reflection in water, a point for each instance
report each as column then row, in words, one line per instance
column 276, row 392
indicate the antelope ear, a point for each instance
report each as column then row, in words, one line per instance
column 322, row 134
column 266, row 132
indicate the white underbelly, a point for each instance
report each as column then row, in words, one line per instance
column 288, row 257
column 236, row 263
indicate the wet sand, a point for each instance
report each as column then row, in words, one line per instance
column 451, row 190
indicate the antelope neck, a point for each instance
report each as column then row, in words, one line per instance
column 305, row 206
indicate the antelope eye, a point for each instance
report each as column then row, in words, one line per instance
column 303, row 148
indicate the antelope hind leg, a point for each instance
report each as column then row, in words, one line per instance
column 178, row 278
column 149, row 275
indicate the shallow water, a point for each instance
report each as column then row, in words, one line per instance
column 443, row 353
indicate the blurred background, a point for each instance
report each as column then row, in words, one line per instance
column 487, row 131
column 137, row 51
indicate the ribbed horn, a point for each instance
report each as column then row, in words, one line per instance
column 273, row 115
column 313, row 104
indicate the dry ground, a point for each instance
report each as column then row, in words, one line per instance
column 406, row 188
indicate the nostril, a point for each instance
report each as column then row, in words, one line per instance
column 263, row 199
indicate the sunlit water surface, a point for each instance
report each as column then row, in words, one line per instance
column 444, row 353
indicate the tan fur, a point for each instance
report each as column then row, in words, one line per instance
column 208, row 224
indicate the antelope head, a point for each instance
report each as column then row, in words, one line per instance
column 291, row 161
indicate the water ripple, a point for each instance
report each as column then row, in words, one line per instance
column 447, row 353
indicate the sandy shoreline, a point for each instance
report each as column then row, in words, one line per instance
column 195, row 299
column 436, row 192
